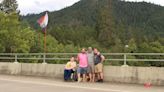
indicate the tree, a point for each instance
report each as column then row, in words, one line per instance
column 118, row 47
column 105, row 25
column 132, row 46
column 9, row 30
column 9, row 6
column 14, row 38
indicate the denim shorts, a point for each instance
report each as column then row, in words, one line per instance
column 82, row 70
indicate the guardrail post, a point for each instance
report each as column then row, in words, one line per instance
column 16, row 58
column 125, row 59
column 44, row 58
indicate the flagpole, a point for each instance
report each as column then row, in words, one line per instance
column 39, row 41
column 45, row 47
column 43, row 22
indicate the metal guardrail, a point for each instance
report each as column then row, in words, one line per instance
column 57, row 56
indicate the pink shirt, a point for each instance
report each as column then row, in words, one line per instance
column 83, row 60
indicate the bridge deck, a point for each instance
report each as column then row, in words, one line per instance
column 31, row 84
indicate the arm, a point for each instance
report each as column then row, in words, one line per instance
column 74, row 65
column 77, row 59
column 102, row 58
column 68, row 66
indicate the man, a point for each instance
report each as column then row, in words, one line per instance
column 98, row 61
column 83, row 64
column 91, row 68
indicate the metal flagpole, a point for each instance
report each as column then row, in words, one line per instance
column 39, row 39
column 43, row 21
column 45, row 47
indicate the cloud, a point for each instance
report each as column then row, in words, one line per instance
column 159, row 2
column 37, row 6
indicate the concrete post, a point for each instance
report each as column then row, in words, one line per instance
column 44, row 59
column 16, row 58
column 124, row 59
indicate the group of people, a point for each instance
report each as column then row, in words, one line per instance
column 89, row 68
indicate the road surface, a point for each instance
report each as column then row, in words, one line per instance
column 35, row 84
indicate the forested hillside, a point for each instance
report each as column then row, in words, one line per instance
column 17, row 36
column 107, row 24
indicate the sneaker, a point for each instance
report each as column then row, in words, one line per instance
column 98, row 81
column 101, row 80
column 79, row 79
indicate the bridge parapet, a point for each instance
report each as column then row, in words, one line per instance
column 138, row 75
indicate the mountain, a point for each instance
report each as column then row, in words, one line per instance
column 105, row 23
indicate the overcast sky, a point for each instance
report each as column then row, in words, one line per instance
column 37, row 6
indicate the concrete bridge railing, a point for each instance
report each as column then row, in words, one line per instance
column 123, row 74
column 120, row 74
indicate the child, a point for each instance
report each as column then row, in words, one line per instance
column 70, row 69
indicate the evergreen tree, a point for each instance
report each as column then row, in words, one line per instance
column 105, row 25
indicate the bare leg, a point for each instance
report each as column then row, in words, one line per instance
column 98, row 76
column 90, row 77
column 93, row 77
column 101, row 76
column 84, row 78
column 79, row 77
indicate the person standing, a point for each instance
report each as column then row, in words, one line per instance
column 98, row 62
column 91, row 69
column 83, row 64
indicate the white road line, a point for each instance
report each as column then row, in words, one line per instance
column 61, row 85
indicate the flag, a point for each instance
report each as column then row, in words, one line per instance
column 43, row 21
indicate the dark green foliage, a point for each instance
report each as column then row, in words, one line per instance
column 108, row 25
column 104, row 22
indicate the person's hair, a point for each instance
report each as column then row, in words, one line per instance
column 95, row 49
column 83, row 48
column 90, row 48
column 73, row 56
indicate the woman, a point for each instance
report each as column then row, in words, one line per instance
column 70, row 69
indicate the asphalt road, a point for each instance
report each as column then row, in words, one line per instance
column 33, row 84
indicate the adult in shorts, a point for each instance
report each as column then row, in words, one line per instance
column 83, row 64
column 98, row 62
column 91, row 69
